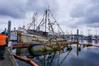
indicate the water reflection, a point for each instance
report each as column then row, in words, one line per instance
column 87, row 57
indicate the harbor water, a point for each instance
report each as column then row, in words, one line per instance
column 87, row 57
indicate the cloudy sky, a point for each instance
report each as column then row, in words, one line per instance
column 70, row 14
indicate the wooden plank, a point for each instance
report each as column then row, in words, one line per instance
column 9, row 59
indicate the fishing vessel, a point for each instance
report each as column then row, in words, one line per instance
column 43, row 42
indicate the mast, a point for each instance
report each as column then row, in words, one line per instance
column 46, row 12
column 33, row 23
column 9, row 29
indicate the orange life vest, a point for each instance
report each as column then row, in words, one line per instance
column 3, row 39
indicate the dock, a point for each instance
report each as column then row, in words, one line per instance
column 9, row 59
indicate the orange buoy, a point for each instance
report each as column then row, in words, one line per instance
column 3, row 39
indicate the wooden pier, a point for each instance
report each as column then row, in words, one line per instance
column 9, row 59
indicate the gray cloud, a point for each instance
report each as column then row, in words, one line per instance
column 88, row 11
column 19, row 8
column 12, row 8
column 70, row 14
